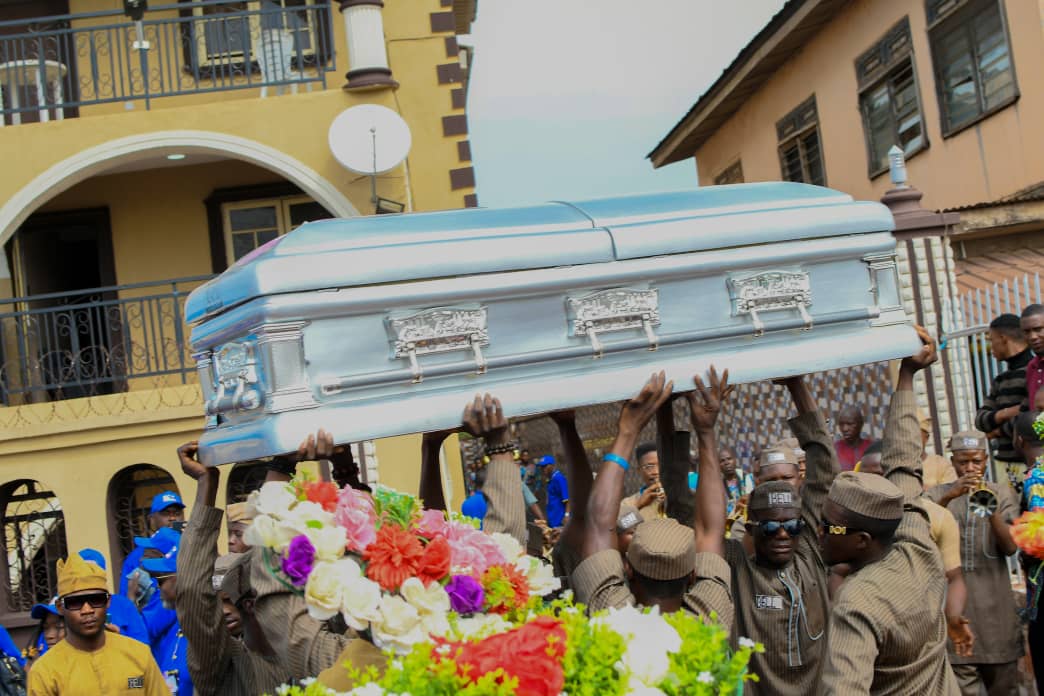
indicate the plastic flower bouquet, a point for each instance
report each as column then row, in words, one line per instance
column 1028, row 533
column 395, row 572
column 559, row 650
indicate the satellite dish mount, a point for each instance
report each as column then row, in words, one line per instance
column 369, row 139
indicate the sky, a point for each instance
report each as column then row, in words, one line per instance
column 567, row 97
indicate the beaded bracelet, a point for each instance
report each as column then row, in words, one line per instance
column 617, row 459
column 501, row 449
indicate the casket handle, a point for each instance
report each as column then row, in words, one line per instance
column 474, row 342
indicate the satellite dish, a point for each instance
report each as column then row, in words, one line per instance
column 369, row 139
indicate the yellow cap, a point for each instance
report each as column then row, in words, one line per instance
column 240, row 512
column 76, row 574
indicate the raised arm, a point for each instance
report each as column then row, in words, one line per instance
column 506, row 511
column 603, row 507
column 579, row 476
column 704, row 406
column 901, row 450
column 430, row 488
column 198, row 606
column 673, row 448
column 812, row 435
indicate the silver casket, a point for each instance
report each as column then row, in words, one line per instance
column 379, row 326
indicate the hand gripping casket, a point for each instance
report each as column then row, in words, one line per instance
column 379, row 326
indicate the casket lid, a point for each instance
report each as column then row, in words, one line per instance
column 395, row 248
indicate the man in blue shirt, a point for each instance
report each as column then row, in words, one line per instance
column 557, row 492
column 123, row 613
column 167, row 510
column 170, row 648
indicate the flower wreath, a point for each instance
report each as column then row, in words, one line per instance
column 394, row 571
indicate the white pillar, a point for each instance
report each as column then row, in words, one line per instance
column 367, row 53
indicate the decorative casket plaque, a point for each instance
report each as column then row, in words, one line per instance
column 379, row 326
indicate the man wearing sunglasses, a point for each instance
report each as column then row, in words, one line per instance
column 780, row 590
column 887, row 634
column 91, row 660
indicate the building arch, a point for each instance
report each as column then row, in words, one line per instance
column 242, row 479
column 34, row 534
column 98, row 159
column 127, row 502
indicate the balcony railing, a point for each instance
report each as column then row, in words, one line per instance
column 52, row 66
column 96, row 341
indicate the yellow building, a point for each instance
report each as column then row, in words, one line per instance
column 143, row 150
column 827, row 88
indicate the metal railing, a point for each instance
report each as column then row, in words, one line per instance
column 95, row 341
column 52, row 66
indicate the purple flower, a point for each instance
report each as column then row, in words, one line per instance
column 300, row 558
column 465, row 593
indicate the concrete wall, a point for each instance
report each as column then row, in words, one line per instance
column 993, row 158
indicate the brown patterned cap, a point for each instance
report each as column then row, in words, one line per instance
column 774, row 495
column 628, row 519
column 868, row 495
column 776, row 455
column 236, row 580
column 240, row 512
column 967, row 440
column 662, row 549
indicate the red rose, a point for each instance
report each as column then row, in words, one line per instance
column 531, row 653
column 435, row 563
column 322, row 493
column 393, row 557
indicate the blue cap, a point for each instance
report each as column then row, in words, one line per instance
column 164, row 541
column 164, row 500
column 40, row 611
column 168, row 565
column 546, row 460
column 93, row 556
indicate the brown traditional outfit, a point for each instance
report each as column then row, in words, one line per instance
column 887, row 629
column 786, row 608
column 219, row 663
column 991, row 609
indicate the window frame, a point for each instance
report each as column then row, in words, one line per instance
column 958, row 16
column 793, row 128
column 210, row 65
column 889, row 62
column 727, row 175
column 282, row 205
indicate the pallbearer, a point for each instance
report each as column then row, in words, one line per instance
column 887, row 634
column 780, row 591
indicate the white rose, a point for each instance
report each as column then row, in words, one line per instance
column 329, row 542
column 268, row 532
column 481, row 626
column 426, row 600
column 649, row 641
column 308, row 515
column 274, row 498
column 397, row 625
column 435, row 624
column 324, row 590
column 368, row 690
column 360, row 598
column 540, row 575
column 509, row 545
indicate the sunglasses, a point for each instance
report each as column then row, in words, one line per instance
column 831, row 529
column 772, row 527
column 98, row 600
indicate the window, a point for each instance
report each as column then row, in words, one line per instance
column 974, row 74
column 889, row 99
column 34, row 534
column 251, row 224
column 732, row 174
column 295, row 33
column 129, row 500
column 800, row 152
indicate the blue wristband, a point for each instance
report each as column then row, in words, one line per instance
column 616, row 459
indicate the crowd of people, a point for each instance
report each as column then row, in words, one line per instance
column 858, row 569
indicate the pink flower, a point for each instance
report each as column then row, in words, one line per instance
column 432, row 524
column 470, row 548
column 355, row 513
